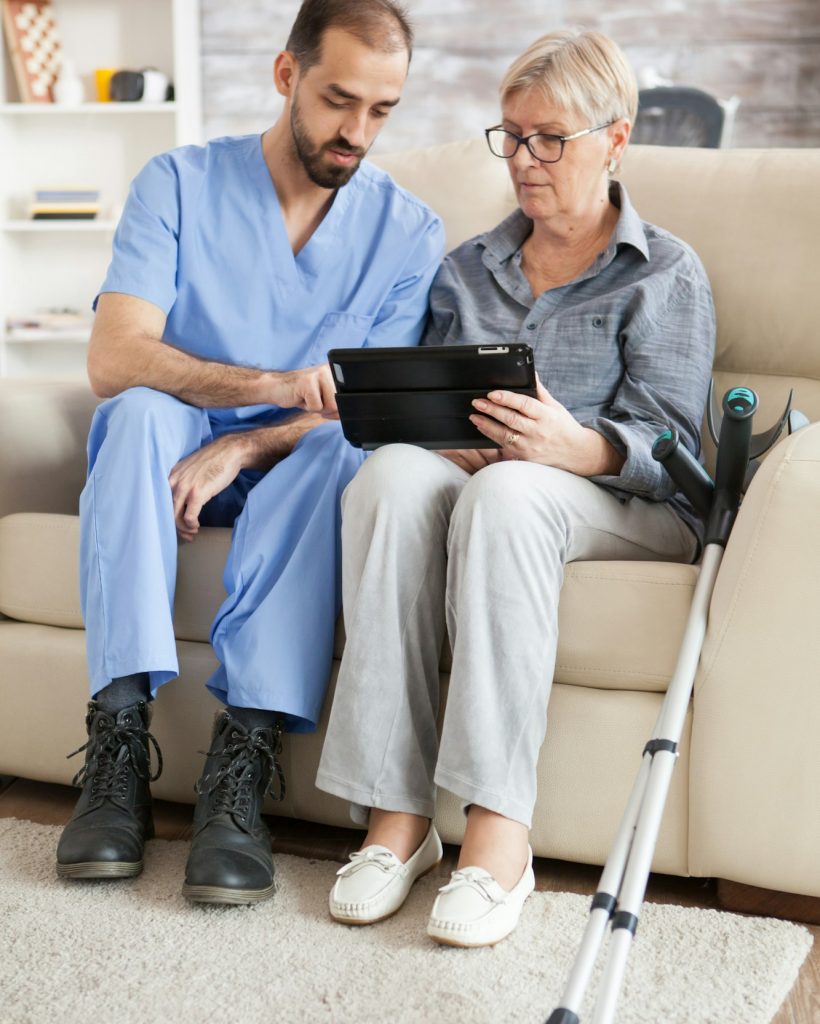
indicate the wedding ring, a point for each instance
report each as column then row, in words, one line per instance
column 511, row 438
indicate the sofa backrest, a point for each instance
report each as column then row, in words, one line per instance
column 753, row 216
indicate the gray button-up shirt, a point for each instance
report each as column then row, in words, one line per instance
column 627, row 346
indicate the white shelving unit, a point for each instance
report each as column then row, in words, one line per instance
column 89, row 107
column 60, row 226
column 60, row 264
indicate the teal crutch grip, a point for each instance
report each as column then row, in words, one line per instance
column 685, row 470
column 734, row 449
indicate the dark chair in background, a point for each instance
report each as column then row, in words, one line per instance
column 679, row 116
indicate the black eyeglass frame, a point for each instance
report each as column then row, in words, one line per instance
column 525, row 140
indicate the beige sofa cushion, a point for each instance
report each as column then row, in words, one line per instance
column 39, row 581
column 43, row 427
column 620, row 622
column 755, row 776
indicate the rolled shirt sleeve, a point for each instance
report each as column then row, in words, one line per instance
column 668, row 355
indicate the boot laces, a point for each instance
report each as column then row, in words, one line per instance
column 113, row 754
column 231, row 788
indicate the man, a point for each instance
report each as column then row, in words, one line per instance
column 231, row 259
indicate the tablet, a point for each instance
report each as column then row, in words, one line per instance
column 424, row 395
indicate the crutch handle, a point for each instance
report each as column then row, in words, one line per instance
column 734, row 447
column 685, row 470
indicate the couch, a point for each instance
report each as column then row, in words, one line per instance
column 744, row 803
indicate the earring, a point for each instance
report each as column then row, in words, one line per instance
column 612, row 166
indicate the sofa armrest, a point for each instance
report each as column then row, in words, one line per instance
column 43, row 431
column 754, row 763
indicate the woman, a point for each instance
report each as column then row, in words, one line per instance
column 620, row 318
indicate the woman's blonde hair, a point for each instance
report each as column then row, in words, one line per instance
column 579, row 71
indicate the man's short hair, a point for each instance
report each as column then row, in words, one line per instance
column 380, row 24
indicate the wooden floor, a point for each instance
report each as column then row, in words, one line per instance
column 52, row 805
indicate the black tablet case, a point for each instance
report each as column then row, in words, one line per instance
column 424, row 395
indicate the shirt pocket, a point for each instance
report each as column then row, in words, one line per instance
column 583, row 360
column 339, row 330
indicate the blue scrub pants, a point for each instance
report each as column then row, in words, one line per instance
column 273, row 634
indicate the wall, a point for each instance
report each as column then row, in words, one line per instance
column 766, row 52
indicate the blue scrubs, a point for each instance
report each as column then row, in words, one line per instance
column 202, row 237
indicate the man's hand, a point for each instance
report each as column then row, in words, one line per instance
column 200, row 476
column 311, row 389
column 204, row 473
column 471, row 460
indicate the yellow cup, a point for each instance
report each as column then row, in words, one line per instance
column 102, row 78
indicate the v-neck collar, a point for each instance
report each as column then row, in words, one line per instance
column 322, row 244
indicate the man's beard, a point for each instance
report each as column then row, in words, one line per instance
column 311, row 157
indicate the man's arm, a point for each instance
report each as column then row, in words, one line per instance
column 126, row 350
column 203, row 474
column 199, row 476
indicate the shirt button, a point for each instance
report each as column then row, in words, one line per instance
column 531, row 327
column 597, row 321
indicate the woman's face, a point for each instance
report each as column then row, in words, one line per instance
column 576, row 185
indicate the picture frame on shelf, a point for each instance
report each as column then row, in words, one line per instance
column 33, row 44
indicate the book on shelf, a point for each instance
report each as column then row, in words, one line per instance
column 65, row 204
column 64, row 211
column 46, row 324
column 66, row 195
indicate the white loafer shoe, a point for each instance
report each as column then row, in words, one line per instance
column 473, row 909
column 375, row 883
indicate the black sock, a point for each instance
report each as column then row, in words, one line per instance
column 254, row 718
column 123, row 692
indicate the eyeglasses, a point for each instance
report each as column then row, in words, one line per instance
column 547, row 149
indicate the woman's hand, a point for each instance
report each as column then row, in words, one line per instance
column 542, row 430
column 471, row 460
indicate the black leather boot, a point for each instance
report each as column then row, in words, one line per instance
column 230, row 859
column 106, row 835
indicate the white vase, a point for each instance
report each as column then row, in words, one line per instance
column 68, row 89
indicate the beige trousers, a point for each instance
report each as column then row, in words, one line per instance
column 424, row 543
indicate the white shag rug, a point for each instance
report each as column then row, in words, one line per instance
column 136, row 952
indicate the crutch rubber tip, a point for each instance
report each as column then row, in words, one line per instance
column 561, row 1016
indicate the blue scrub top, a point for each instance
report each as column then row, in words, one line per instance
column 202, row 236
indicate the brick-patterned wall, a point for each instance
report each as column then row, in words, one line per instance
column 766, row 52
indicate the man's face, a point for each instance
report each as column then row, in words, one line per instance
column 339, row 106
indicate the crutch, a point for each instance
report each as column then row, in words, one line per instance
column 625, row 876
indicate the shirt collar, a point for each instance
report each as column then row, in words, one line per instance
column 507, row 238
column 629, row 229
